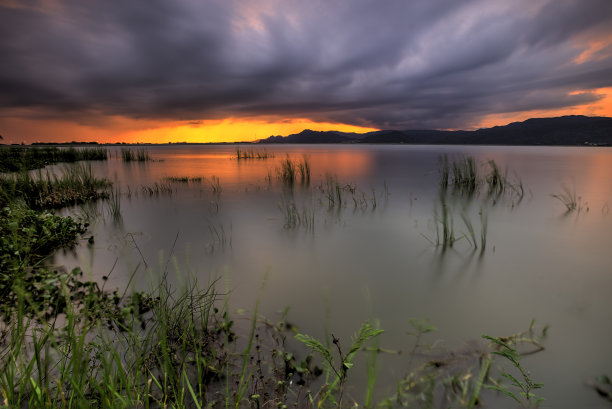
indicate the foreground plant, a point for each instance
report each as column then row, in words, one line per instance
column 337, row 369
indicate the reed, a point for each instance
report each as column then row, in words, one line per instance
column 114, row 204
column 158, row 189
column 15, row 159
column 183, row 179
column 292, row 171
column 135, row 155
column 75, row 185
column 215, row 185
column 243, row 154
column 570, row 199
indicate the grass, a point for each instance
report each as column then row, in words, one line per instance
column 220, row 238
column 75, row 185
column 158, row 189
column 463, row 176
column 66, row 342
column 242, row 154
column 135, row 155
column 292, row 171
column 184, row 179
column 114, row 204
column 215, row 185
column 295, row 217
column 15, row 159
column 570, row 199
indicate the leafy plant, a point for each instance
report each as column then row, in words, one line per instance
column 339, row 367
column 506, row 348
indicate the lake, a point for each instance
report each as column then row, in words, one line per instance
column 375, row 252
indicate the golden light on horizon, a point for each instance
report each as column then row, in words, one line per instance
column 120, row 129
column 601, row 107
column 232, row 130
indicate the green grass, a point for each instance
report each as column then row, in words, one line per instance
column 66, row 342
column 465, row 179
column 292, row 171
column 14, row 159
column 75, row 185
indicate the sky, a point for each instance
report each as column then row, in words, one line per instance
column 237, row 70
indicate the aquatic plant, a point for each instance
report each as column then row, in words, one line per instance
column 137, row 155
column 75, row 185
column 158, row 189
column 215, row 185
column 290, row 171
column 569, row 199
column 463, row 176
column 14, row 159
column 337, row 369
column 114, row 203
column 242, row 154
column 297, row 218
column 220, row 238
column 183, row 179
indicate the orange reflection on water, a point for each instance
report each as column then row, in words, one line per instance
column 349, row 164
column 596, row 178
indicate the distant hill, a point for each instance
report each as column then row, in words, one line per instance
column 575, row 130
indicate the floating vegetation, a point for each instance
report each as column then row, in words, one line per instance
column 135, row 155
column 14, row 159
column 158, row 189
column 242, row 154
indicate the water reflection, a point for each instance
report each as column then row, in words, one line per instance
column 374, row 217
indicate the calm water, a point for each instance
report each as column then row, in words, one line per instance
column 360, row 262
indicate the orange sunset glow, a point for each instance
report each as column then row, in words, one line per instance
column 207, row 72
column 602, row 107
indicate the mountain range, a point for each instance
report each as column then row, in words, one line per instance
column 573, row 130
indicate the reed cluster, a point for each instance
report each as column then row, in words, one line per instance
column 76, row 184
column 14, row 159
column 135, row 155
column 292, row 171
column 242, row 154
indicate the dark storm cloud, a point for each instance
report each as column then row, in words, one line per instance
column 387, row 64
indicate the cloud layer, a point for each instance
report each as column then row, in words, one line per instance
column 386, row 64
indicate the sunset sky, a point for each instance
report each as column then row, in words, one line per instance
column 237, row 70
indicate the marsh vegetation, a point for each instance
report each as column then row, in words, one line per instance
column 132, row 335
